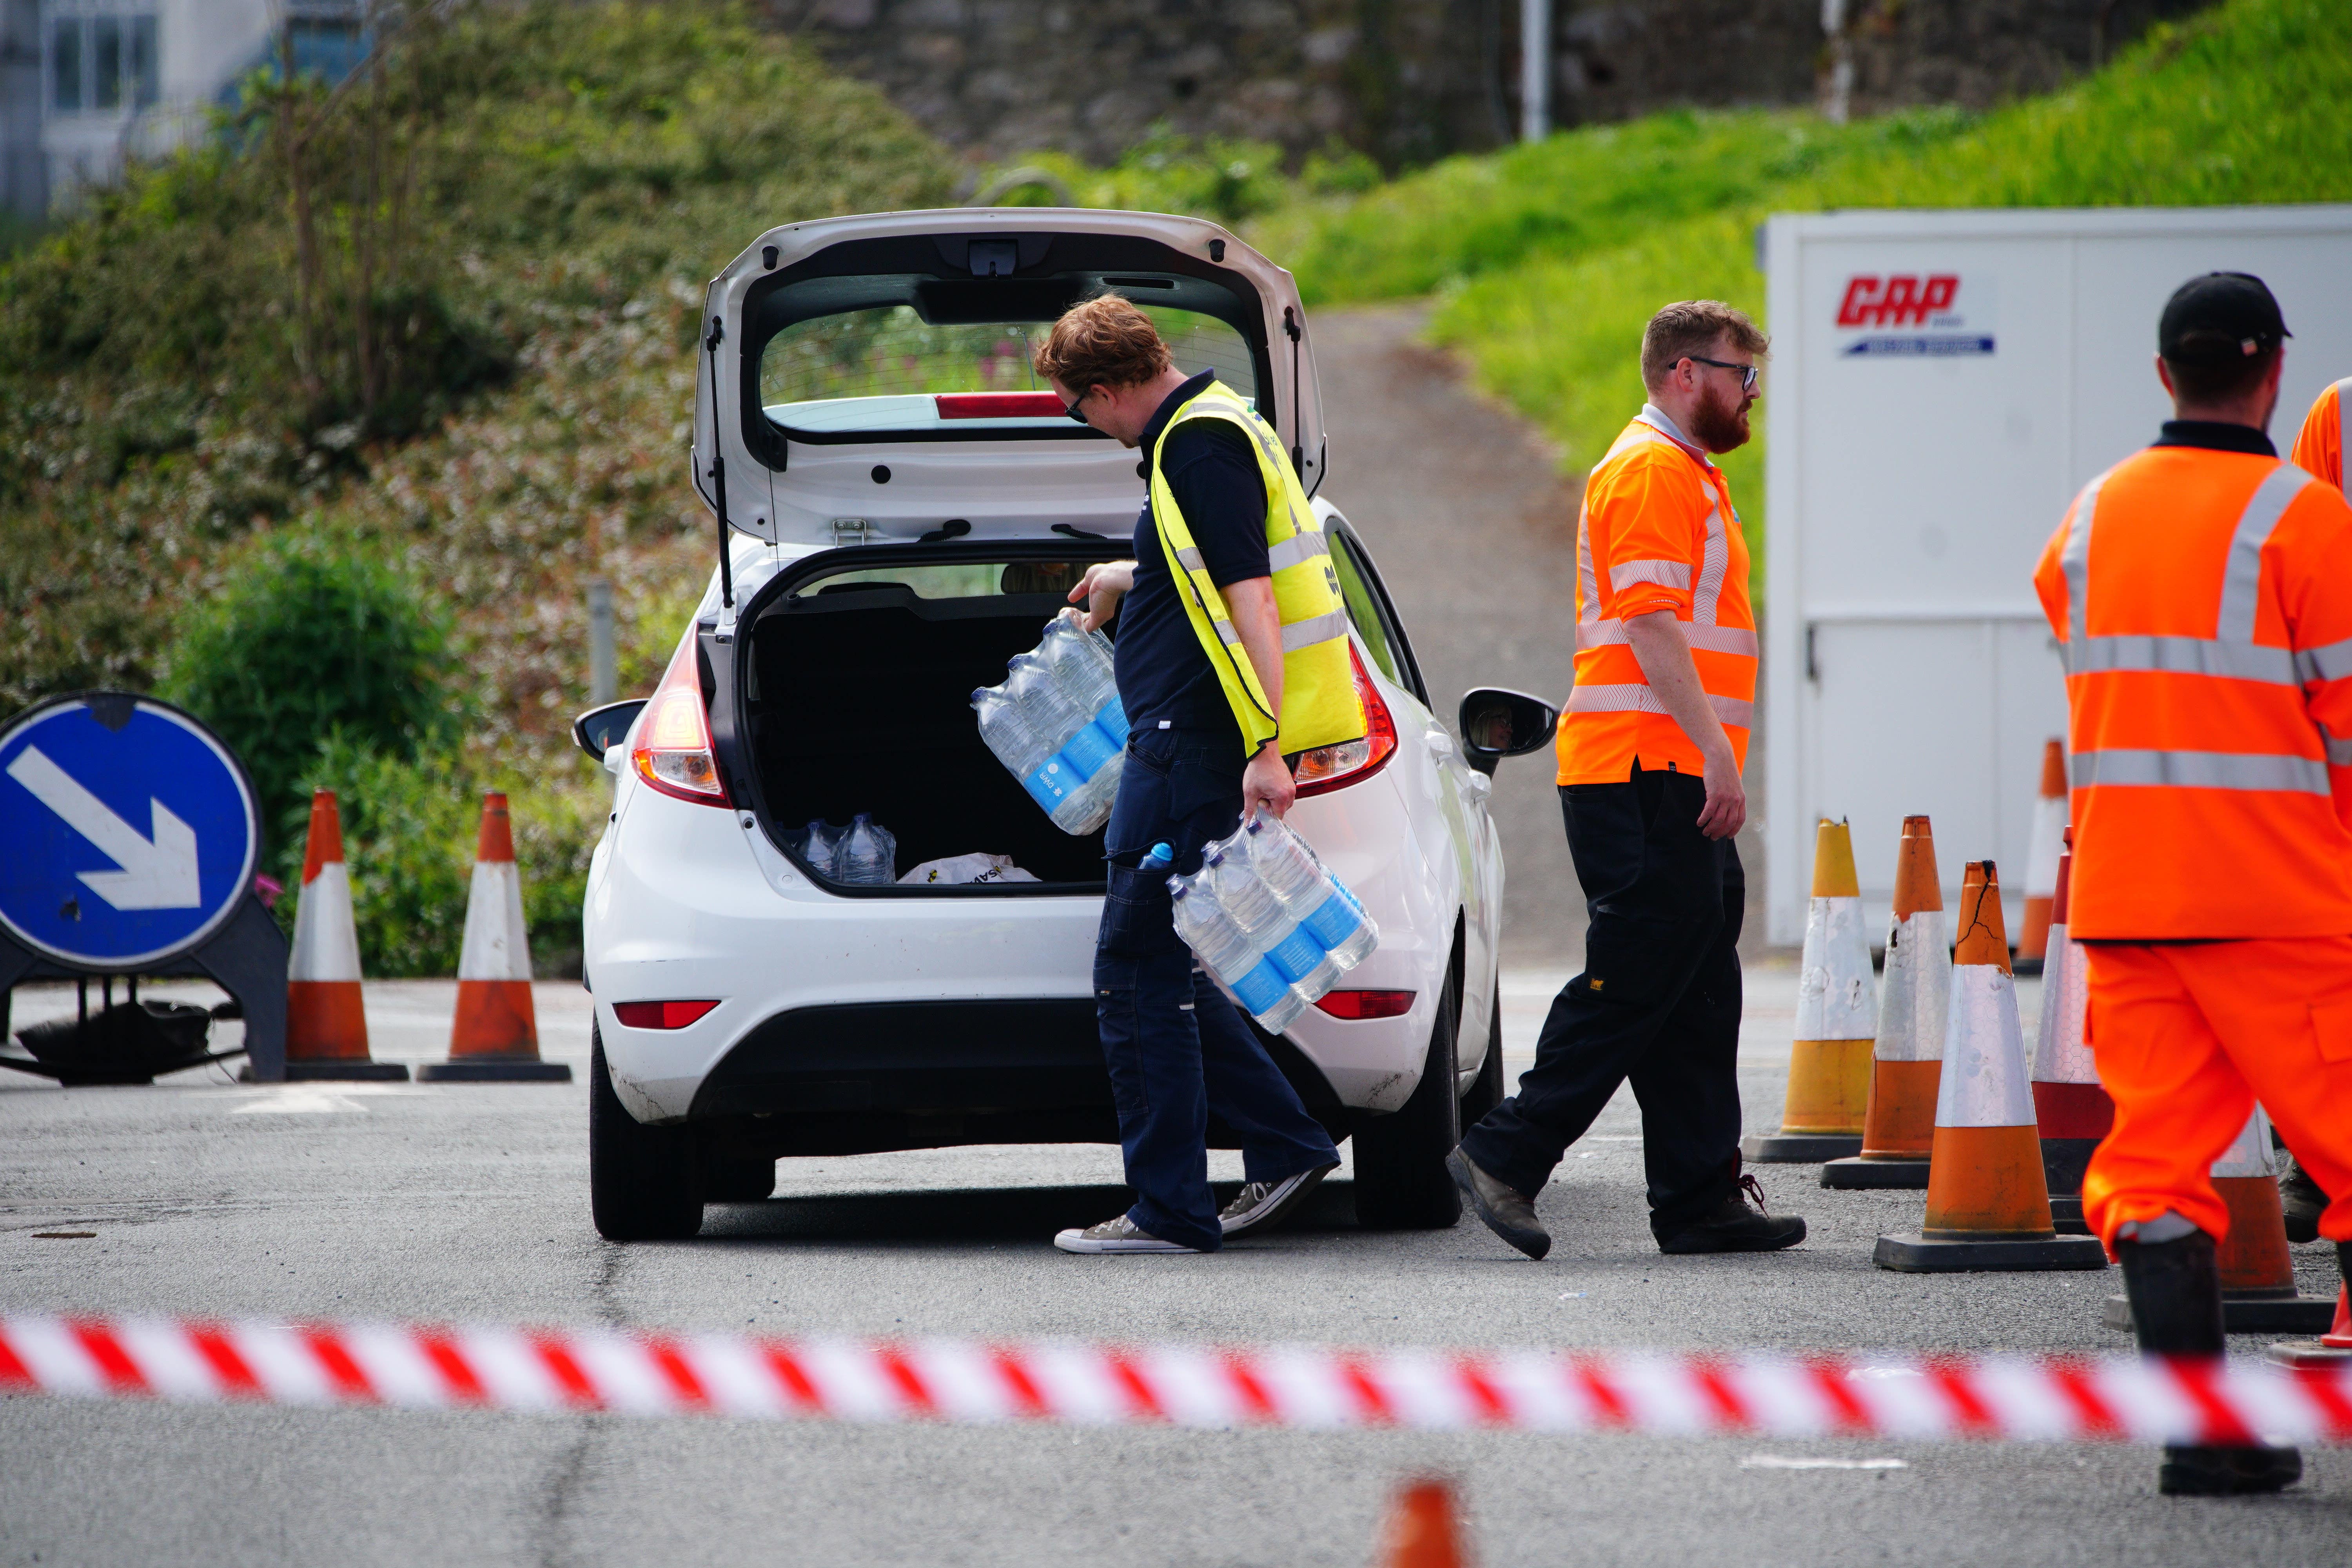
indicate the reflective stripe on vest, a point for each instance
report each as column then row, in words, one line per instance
column 1320, row 705
column 2230, row 654
column 1589, row 699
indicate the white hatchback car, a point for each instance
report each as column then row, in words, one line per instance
column 901, row 508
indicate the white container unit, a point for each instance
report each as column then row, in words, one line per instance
column 1941, row 384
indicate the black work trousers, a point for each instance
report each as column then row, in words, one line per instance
column 1658, row 1002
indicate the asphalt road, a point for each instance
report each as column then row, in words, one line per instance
column 470, row 1203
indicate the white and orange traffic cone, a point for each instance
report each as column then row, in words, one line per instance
column 1987, row 1206
column 2041, row 858
column 2070, row 1105
column 2258, row 1292
column 1424, row 1529
column 1898, row 1128
column 1829, row 1065
column 326, row 1023
column 496, row 1035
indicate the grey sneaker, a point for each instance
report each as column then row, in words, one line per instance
column 1120, row 1235
column 1507, row 1214
column 1262, row 1205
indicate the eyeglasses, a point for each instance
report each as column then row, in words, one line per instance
column 1748, row 372
column 1073, row 409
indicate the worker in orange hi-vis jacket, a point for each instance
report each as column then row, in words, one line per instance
column 2203, row 592
column 2326, row 432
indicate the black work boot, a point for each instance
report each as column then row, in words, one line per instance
column 1507, row 1212
column 2301, row 1200
column 2176, row 1300
column 1737, row 1227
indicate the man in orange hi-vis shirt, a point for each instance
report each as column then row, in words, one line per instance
column 1650, row 753
column 2202, row 591
column 2326, row 432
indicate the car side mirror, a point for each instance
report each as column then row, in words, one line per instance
column 1497, row 723
column 598, row 728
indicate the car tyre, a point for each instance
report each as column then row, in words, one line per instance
column 644, row 1182
column 1486, row 1088
column 1401, row 1182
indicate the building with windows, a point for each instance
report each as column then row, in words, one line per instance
column 89, row 83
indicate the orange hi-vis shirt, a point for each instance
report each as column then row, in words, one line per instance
column 2204, row 600
column 2326, row 432
column 1658, row 532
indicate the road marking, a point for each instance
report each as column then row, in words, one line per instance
column 1792, row 1462
column 158, row 873
column 301, row 1099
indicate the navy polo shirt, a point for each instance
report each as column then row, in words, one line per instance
column 1165, row 679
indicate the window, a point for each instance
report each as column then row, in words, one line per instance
column 1367, row 601
column 65, row 64
column 106, row 62
column 146, row 61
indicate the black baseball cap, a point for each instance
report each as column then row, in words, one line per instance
column 2220, row 316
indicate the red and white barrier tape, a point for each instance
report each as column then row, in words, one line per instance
column 563, row 1371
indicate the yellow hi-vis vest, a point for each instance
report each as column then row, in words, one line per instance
column 1319, row 706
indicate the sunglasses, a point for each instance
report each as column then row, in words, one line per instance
column 1748, row 372
column 1073, row 409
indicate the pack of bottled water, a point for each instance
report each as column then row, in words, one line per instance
column 1269, row 919
column 863, row 854
column 1056, row 722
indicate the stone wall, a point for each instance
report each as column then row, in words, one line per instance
column 1408, row 81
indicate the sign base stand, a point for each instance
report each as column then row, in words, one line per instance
column 245, row 957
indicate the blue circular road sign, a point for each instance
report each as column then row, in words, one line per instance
column 128, row 831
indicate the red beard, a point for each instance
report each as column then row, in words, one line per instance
column 1720, row 425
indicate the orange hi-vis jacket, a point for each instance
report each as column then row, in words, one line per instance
column 2204, row 598
column 1658, row 532
column 2327, row 431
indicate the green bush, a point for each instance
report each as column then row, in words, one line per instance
column 409, row 832
column 307, row 640
column 1213, row 178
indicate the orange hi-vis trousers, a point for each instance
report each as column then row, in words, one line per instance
column 2186, row 1036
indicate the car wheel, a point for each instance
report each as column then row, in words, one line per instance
column 738, row 1179
column 1401, row 1182
column 644, row 1182
column 1486, row 1088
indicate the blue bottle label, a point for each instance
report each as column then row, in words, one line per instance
column 1335, row 921
column 1261, row 989
column 1295, row 954
column 1113, row 719
column 1050, row 783
column 1086, row 754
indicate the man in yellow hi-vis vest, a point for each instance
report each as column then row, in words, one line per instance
column 1232, row 651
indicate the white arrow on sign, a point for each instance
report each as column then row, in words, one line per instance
column 157, row 874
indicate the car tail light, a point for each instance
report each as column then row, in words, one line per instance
column 660, row 1014
column 999, row 405
column 1366, row 1003
column 673, row 748
column 1351, row 762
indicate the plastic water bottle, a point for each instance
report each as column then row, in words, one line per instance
column 1309, row 893
column 1159, row 859
column 816, row 841
column 1233, row 957
column 1081, row 664
column 1028, row 756
column 1051, row 709
column 1243, row 895
column 867, row 856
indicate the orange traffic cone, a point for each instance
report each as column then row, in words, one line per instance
column 2041, row 857
column 326, row 1026
column 2258, row 1294
column 2070, row 1105
column 2331, row 1349
column 496, row 1035
column 1829, row 1066
column 1907, row 1063
column 1987, row 1206
column 1423, row 1531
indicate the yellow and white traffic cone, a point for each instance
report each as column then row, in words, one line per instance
column 1907, row 1063
column 1987, row 1206
column 2258, row 1292
column 1829, row 1066
column 496, row 1035
column 326, row 1022
column 2070, row 1105
column 2042, row 857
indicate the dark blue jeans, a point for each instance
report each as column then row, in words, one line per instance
column 1177, row 1050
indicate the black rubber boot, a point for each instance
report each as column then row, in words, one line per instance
column 2176, row 1300
column 2302, row 1201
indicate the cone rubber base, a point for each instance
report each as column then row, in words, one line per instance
column 491, row 1069
column 1798, row 1148
column 2248, row 1315
column 1861, row 1172
column 2066, row 1213
column 2024, row 965
column 1909, row 1252
column 356, row 1070
column 2309, row 1354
